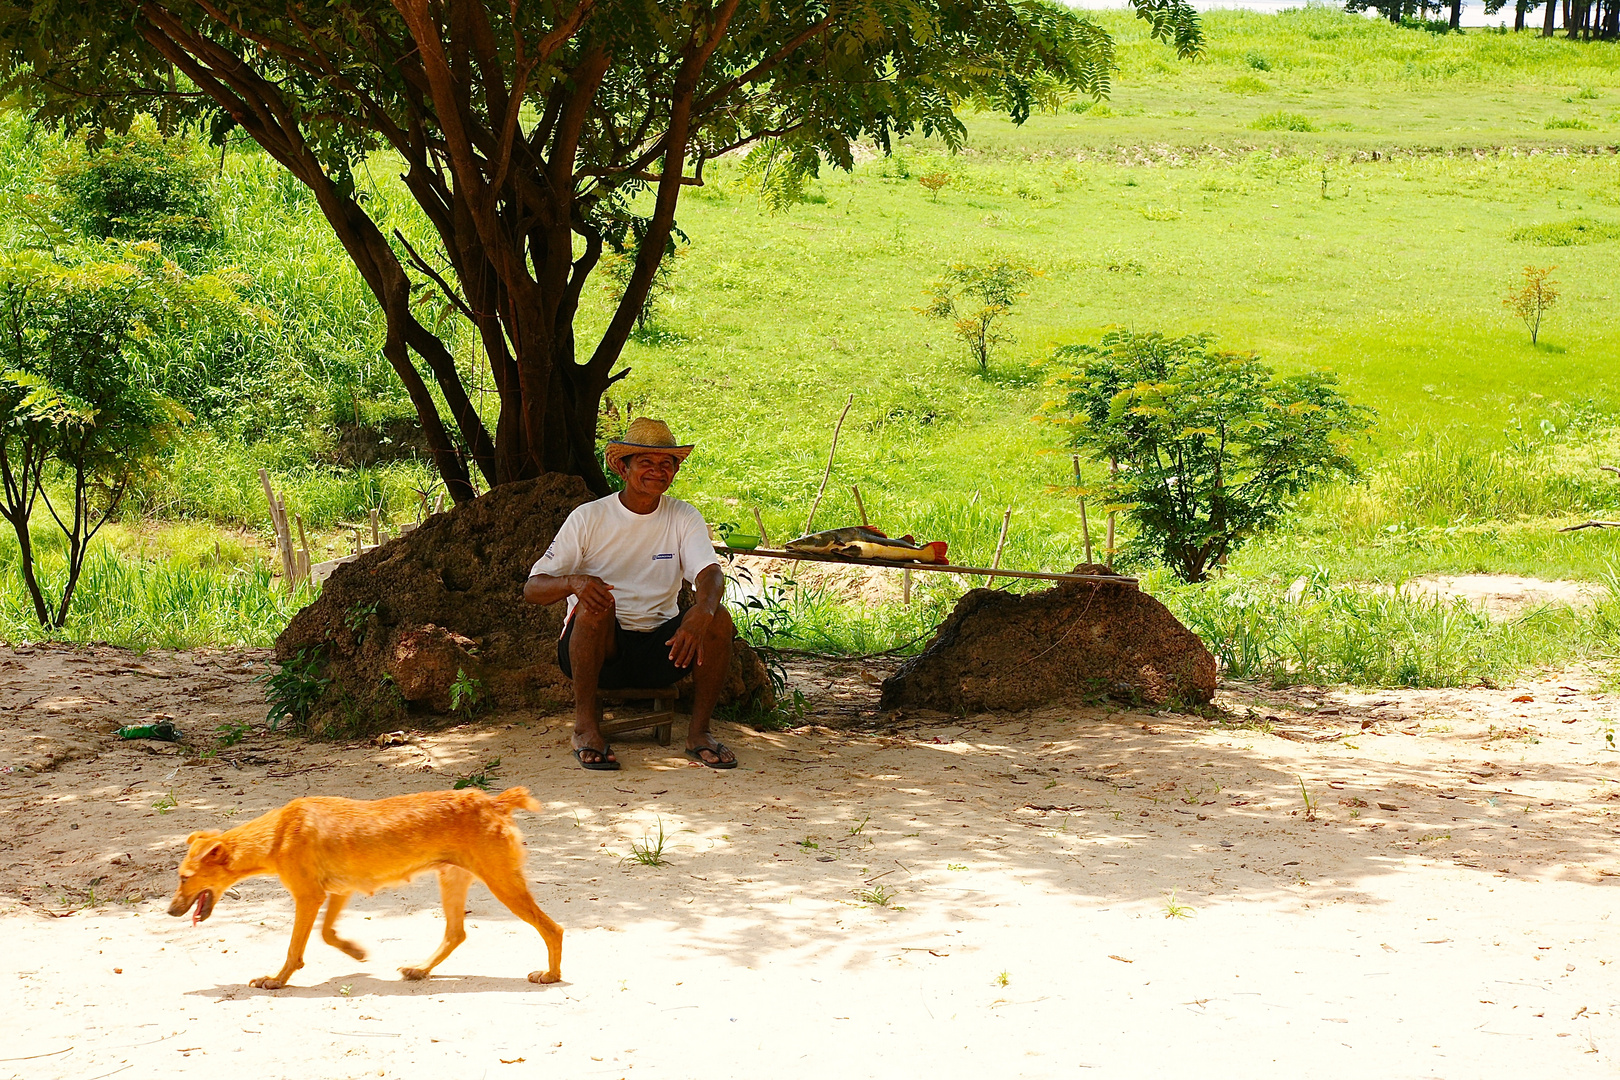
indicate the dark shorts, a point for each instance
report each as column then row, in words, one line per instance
column 642, row 660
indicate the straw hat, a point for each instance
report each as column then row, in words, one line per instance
column 644, row 434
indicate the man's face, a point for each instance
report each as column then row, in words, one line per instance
column 649, row 474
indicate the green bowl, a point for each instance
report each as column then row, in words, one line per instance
column 742, row 541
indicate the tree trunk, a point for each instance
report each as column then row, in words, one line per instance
column 1518, row 16
column 1550, row 17
column 1456, row 14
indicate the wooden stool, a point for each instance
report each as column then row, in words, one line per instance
column 659, row 717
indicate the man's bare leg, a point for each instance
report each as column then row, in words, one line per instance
column 591, row 644
column 707, row 683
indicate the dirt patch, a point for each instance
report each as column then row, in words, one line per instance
column 1504, row 596
column 395, row 628
column 1074, row 642
column 1311, row 869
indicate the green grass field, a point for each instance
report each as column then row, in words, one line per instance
column 1329, row 191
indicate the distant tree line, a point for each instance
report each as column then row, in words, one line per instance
column 1583, row 19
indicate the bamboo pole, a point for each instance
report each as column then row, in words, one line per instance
column 759, row 523
column 859, row 505
column 948, row 568
column 830, row 455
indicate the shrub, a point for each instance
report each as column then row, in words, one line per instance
column 1573, row 123
column 619, row 263
column 935, row 182
column 78, row 404
column 135, row 186
column 1206, row 448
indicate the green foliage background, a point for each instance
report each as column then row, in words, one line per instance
column 1378, row 245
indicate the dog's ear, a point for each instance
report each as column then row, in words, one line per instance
column 214, row 854
column 202, row 834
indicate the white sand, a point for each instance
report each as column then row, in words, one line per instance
column 1467, row 933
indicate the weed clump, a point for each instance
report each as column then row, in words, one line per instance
column 1574, row 232
column 1247, row 85
column 1282, row 121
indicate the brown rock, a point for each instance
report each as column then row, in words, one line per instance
column 428, row 660
column 1078, row 641
column 394, row 626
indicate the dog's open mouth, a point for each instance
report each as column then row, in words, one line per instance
column 205, row 906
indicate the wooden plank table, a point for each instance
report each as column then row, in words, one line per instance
column 948, row 568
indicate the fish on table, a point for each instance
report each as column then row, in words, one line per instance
column 865, row 542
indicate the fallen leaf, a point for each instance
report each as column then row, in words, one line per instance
column 1121, row 959
column 514, row 1061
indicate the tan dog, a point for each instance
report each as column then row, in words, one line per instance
column 324, row 849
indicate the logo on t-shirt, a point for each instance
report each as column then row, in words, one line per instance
column 664, row 555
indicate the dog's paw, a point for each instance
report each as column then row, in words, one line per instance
column 415, row 973
column 267, row 982
column 545, row 976
column 356, row 951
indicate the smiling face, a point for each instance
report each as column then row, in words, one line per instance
column 205, row 873
column 647, row 475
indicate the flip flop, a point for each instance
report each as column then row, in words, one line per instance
column 602, row 764
column 696, row 754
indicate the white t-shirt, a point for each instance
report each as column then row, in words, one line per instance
column 645, row 557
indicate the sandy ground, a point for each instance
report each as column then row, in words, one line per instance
column 1082, row 892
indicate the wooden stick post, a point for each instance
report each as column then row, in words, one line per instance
column 303, row 554
column 375, row 538
column 759, row 523
column 278, row 522
column 1085, row 526
column 860, row 506
column 1001, row 543
column 905, row 587
column 1113, row 470
column 830, row 455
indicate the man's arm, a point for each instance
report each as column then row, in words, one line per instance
column 687, row 644
column 594, row 594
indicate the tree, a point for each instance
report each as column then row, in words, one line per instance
column 1534, row 297
column 975, row 298
column 78, row 406
column 527, row 130
column 1211, row 446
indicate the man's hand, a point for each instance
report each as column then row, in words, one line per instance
column 594, row 594
column 687, row 644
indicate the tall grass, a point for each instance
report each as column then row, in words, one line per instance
column 170, row 603
column 210, row 478
column 1382, row 637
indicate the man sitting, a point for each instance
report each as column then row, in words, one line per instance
column 620, row 562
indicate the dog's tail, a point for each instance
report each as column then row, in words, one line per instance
column 515, row 798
